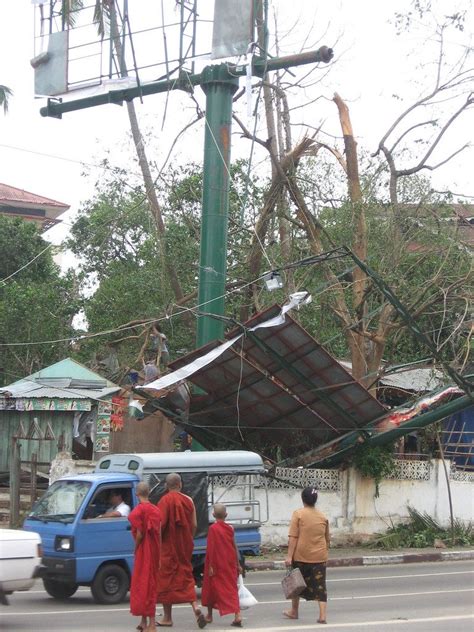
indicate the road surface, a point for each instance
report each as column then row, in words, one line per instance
column 430, row 597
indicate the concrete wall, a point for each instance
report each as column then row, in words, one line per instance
column 355, row 514
column 65, row 465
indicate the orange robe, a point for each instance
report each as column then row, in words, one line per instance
column 145, row 518
column 220, row 591
column 175, row 576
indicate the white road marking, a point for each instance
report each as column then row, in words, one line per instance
column 260, row 603
column 353, row 579
column 312, row 626
column 343, row 579
column 408, row 594
column 43, row 592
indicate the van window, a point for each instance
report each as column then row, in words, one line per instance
column 133, row 465
column 61, row 502
column 105, row 465
column 100, row 502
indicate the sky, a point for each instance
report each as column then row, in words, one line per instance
column 47, row 156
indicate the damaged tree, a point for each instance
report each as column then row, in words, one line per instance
column 366, row 332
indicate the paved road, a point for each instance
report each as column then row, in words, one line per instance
column 434, row 597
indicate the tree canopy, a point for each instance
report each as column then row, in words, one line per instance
column 37, row 304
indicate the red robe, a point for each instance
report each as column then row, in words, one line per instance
column 220, row 591
column 175, row 576
column 145, row 518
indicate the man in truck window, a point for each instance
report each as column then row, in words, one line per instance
column 175, row 575
column 118, row 509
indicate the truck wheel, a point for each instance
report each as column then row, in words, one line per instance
column 59, row 590
column 110, row 584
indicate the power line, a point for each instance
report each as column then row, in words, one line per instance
column 78, row 337
column 65, row 159
column 3, row 281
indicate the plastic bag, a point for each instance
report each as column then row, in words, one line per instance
column 246, row 599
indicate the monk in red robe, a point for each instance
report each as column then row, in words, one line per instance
column 175, row 577
column 221, row 569
column 146, row 524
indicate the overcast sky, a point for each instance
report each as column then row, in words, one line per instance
column 372, row 65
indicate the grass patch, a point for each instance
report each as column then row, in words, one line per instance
column 422, row 530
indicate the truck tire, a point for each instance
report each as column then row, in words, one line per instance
column 59, row 590
column 110, row 584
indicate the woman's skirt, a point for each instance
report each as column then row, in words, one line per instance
column 315, row 578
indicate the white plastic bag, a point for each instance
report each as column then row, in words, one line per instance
column 246, row 599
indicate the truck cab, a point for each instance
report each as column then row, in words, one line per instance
column 83, row 549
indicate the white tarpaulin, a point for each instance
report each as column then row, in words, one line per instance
column 296, row 300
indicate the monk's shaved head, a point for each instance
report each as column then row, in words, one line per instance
column 143, row 490
column 220, row 511
column 173, row 481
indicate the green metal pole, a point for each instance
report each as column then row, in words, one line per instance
column 219, row 86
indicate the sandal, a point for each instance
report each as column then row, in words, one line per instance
column 201, row 619
column 237, row 624
column 321, row 621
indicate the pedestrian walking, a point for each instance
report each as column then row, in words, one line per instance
column 175, row 577
column 308, row 544
column 146, row 524
column 221, row 569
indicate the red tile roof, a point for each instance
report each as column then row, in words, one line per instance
column 18, row 197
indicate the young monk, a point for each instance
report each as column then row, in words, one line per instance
column 221, row 569
column 146, row 524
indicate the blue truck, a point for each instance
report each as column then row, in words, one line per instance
column 79, row 549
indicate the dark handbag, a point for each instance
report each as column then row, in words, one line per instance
column 293, row 583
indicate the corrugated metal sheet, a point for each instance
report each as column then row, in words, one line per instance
column 33, row 390
column 418, row 380
column 66, row 379
column 277, row 385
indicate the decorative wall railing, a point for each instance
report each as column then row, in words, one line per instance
column 331, row 480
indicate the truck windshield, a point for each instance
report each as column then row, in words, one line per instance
column 61, row 502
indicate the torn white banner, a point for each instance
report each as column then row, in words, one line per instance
column 296, row 300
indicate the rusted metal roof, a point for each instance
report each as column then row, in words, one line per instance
column 276, row 386
column 20, row 197
column 30, row 207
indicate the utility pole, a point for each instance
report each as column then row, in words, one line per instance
column 219, row 82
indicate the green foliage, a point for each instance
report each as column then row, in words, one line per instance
column 124, row 273
column 36, row 304
column 122, row 260
column 422, row 530
column 375, row 462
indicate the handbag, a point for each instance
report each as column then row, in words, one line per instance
column 293, row 583
column 246, row 599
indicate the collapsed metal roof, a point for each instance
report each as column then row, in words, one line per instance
column 275, row 385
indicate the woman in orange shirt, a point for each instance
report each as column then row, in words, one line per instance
column 308, row 544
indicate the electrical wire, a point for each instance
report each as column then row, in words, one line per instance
column 10, row 276
column 72, row 160
column 147, row 322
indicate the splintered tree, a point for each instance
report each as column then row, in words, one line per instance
column 105, row 18
column 409, row 238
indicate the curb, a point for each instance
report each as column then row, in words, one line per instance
column 371, row 560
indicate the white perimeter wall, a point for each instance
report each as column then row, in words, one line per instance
column 355, row 514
